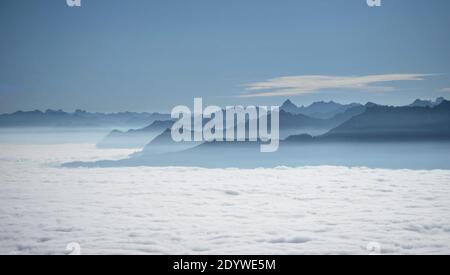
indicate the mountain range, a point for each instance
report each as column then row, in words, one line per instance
column 290, row 124
column 325, row 121
column 427, row 103
column 385, row 123
column 79, row 118
column 134, row 138
column 369, row 135
column 320, row 110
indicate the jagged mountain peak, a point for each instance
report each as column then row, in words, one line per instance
column 427, row 103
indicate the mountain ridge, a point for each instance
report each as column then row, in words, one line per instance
column 78, row 118
column 388, row 123
column 319, row 109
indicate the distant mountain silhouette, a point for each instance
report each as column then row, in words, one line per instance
column 290, row 107
column 135, row 138
column 303, row 124
column 299, row 138
column 373, row 136
column 79, row 118
column 427, row 103
column 164, row 143
column 243, row 155
column 321, row 110
column 141, row 137
column 383, row 123
column 290, row 124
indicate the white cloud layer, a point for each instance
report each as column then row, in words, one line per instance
column 298, row 85
column 144, row 210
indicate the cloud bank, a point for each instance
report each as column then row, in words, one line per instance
column 298, row 85
column 145, row 210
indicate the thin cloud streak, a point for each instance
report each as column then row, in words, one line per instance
column 298, row 85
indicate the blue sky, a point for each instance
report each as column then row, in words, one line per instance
column 148, row 55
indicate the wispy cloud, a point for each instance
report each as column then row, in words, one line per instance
column 298, row 85
column 447, row 90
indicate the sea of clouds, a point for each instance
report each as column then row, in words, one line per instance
column 145, row 210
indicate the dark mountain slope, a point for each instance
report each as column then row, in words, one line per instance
column 135, row 138
column 382, row 123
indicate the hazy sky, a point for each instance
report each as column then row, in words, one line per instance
column 150, row 55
